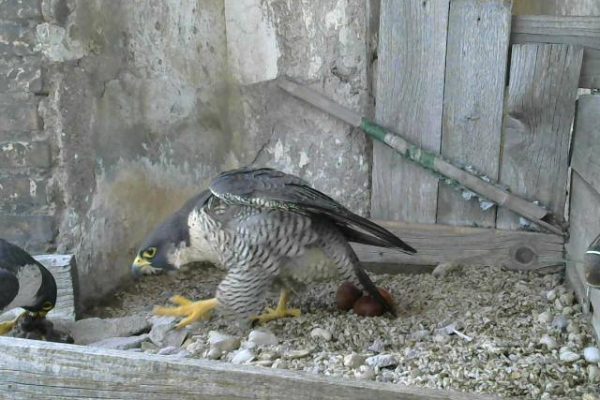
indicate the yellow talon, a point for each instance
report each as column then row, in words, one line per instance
column 281, row 311
column 8, row 326
column 192, row 310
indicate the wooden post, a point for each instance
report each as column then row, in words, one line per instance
column 476, row 62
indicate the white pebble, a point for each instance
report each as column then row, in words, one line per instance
column 560, row 322
column 214, row 353
column 551, row 295
column 591, row 354
column 593, row 374
column 223, row 341
column 165, row 351
column 242, row 357
column 548, row 341
column 382, row 361
column 544, row 317
column 321, row 333
column 568, row 356
column 263, row 338
column 353, row 360
column 365, row 373
column 295, row 354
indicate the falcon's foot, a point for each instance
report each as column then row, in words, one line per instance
column 8, row 326
column 192, row 310
column 281, row 311
column 277, row 313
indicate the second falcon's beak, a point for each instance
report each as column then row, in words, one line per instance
column 142, row 267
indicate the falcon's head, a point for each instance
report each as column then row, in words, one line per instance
column 169, row 246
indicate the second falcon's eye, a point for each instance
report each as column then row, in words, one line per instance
column 150, row 252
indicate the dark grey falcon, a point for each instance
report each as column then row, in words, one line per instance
column 25, row 283
column 265, row 228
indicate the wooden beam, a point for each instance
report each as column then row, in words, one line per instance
column 578, row 31
column 410, row 89
column 478, row 36
column 586, row 140
column 437, row 244
column 40, row 370
column 539, row 112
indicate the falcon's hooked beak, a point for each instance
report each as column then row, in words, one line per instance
column 141, row 267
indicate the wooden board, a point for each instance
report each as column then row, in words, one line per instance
column 580, row 31
column 64, row 270
column 41, row 370
column 476, row 61
column 410, row 85
column 437, row 244
column 538, row 116
column 586, row 140
column 584, row 227
column 556, row 7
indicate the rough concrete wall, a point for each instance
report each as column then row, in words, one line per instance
column 321, row 44
column 147, row 100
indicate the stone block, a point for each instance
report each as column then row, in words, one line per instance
column 25, row 154
column 17, row 38
column 20, row 9
column 20, row 194
column 22, row 74
column 32, row 232
column 92, row 330
column 19, row 114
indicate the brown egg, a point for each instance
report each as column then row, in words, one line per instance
column 346, row 295
column 367, row 306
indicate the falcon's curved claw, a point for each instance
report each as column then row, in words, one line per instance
column 192, row 310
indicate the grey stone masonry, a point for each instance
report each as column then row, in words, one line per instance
column 26, row 160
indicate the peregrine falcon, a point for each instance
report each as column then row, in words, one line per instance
column 25, row 283
column 266, row 229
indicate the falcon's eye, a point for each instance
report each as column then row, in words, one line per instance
column 47, row 306
column 149, row 253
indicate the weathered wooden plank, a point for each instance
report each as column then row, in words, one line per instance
column 579, row 31
column 586, row 140
column 437, row 244
column 41, row 370
column 584, row 227
column 64, row 269
column 538, row 116
column 477, row 52
column 556, row 7
column 410, row 86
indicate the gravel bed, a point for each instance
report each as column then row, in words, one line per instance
column 478, row 329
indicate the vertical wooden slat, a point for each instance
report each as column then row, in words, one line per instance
column 538, row 116
column 410, row 84
column 585, row 226
column 586, row 140
column 476, row 62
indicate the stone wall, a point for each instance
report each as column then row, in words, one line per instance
column 27, row 152
column 116, row 112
